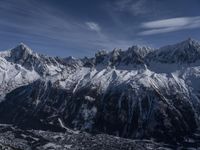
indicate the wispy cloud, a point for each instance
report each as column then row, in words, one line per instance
column 93, row 26
column 104, row 41
column 170, row 25
column 134, row 7
column 47, row 27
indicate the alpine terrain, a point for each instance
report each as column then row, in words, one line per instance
column 140, row 98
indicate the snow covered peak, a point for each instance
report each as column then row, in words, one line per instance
column 21, row 52
column 23, row 47
column 187, row 51
column 140, row 51
column 101, row 53
column 187, row 44
column 73, row 62
column 23, row 56
column 190, row 41
column 132, row 57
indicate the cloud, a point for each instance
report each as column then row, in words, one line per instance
column 93, row 26
column 170, row 25
column 44, row 25
column 134, row 7
column 54, row 31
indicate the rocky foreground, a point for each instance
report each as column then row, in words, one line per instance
column 13, row 138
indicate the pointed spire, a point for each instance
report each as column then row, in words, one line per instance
column 190, row 41
column 23, row 47
column 20, row 52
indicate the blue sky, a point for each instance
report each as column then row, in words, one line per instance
column 81, row 27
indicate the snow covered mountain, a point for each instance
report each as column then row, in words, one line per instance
column 137, row 93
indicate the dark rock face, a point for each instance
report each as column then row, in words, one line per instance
column 117, row 112
column 31, row 105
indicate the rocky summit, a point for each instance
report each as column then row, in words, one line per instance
column 140, row 98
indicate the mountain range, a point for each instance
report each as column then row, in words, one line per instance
column 139, row 93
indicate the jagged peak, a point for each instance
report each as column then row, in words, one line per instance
column 182, row 45
column 141, row 51
column 190, row 42
column 187, row 51
column 22, row 44
column 21, row 47
column 141, row 47
column 71, row 59
column 116, row 50
column 18, row 51
column 190, row 39
column 101, row 53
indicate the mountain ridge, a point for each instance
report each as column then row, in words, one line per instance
column 132, row 94
column 138, row 51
